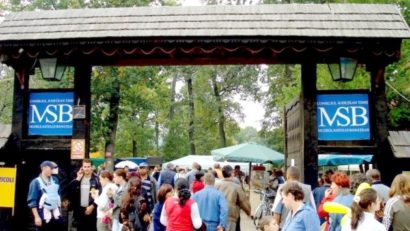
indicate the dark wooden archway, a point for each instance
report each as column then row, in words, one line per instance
column 271, row 34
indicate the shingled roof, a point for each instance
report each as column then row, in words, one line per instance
column 400, row 143
column 282, row 20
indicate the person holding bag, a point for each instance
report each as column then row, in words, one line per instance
column 134, row 208
column 104, row 203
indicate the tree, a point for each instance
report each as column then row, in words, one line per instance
column 6, row 94
column 226, row 81
column 191, row 126
column 155, row 116
column 246, row 135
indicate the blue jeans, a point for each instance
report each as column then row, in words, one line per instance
column 210, row 225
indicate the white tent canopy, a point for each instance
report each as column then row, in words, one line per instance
column 206, row 162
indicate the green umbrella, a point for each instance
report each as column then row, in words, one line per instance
column 248, row 152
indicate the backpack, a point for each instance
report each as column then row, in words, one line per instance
column 52, row 200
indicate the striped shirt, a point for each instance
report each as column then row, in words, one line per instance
column 396, row 214
column 147, row 192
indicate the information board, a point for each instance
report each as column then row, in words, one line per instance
column 343, row 116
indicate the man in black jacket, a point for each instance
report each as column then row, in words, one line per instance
column 84, row 208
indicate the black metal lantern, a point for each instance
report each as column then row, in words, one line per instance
column 51, row 70
column 344, row 70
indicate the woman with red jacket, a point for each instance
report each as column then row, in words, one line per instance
column 180, row 212
column 198, row 183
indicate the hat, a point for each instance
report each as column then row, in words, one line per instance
column 47, row 163
column 144, row 165
column 54, row 164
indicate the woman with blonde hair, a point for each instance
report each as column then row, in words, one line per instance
column 364, row 207
column 397, row 209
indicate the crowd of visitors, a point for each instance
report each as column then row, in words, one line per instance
column 167, row 199
column 174, row 199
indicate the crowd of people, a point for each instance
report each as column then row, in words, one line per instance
column 173, row 199
column 167, row 199
column 359, row 202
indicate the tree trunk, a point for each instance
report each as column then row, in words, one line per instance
column 134, row 147
column 172, row 98
column 191, row 128
column 288, row 73
column 221, row 116
column 156, row 133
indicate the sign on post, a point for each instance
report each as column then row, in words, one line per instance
column 79, row 112
column 77, row 149
column 7, row 187
column 50, row 113
column 343, row 116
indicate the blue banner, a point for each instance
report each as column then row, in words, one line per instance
column 50, row 113
column 343, row 116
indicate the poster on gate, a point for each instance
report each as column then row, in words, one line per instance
column 7, row 187
column 50, row 113
column 343, row 116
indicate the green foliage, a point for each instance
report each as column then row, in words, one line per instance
column 247, row 135
column 18, row 5
column 37, row 82
column 6, row 94
column 397, row 76
column 144, row 127
column 274, row 139
column 360, row 81
column 284, row 85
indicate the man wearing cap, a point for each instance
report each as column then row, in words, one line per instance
column 148, row 185
column 44, row 200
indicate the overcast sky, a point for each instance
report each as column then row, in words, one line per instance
column 254, row 113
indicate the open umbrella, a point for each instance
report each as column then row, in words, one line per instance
column 248, row 152
column 333, row 160
column 128, row 163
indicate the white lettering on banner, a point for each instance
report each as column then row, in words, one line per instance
column 68, row 112
column 363, row 115
column 52, row 113
column 344, row 116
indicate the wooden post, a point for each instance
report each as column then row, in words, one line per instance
column 309, row 169
column 21, row 77
column 82, row 96
column 383, row 155
column 285, row 132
